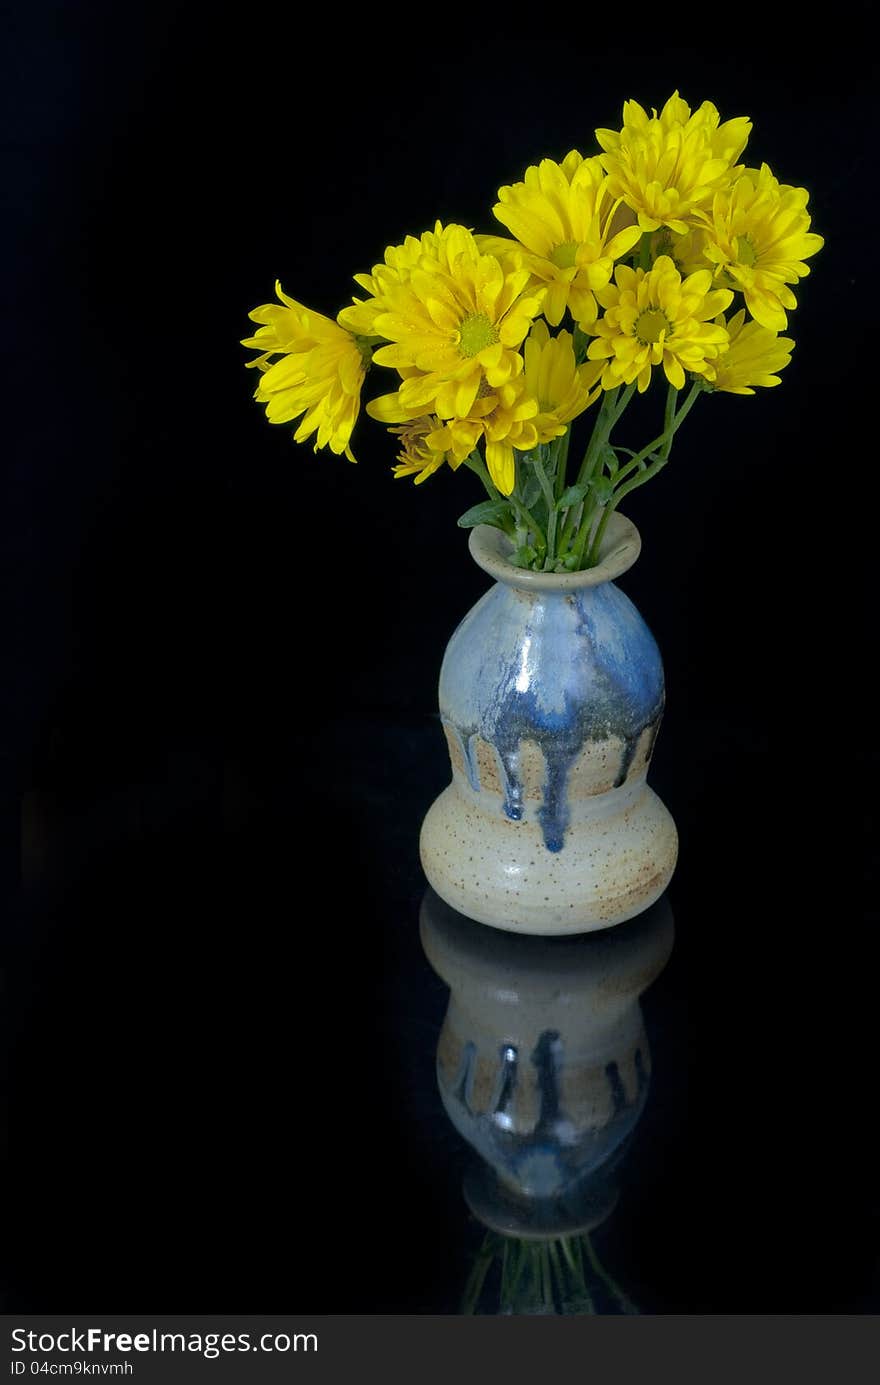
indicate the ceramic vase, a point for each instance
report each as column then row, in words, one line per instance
column 551, row 696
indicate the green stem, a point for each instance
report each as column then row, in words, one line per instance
column 636, row 462
column 572, row 519
column 583, row 537
column 552, row 513
column 561, row 445
column 476, row 464
column 580, row 521
column 663, row 440
column 673, row 422
column 608, row 416
column 624, row 401
column 605, row 420
column 663, row 443
column 527, row 519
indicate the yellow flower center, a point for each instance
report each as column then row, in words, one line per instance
column 650, row 324
column 745, row 251
column 476, row 333
column 564, row 256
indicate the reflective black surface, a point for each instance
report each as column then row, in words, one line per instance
column 223, row 1089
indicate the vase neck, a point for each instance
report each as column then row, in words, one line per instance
column 491, row 550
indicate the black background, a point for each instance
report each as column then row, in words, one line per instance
column 221, row 655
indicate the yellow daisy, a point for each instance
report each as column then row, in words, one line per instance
column 400, row 261
column 759, row 237
column 668, row 167
column 753, row 357
column 453, row 323
column 503, row 419
column 417, row 458
column 308, row 365
column 561, row 388
column 657, row 318
column 563, row 215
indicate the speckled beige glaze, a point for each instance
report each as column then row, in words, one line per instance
column 615, row 863
column 621, row 844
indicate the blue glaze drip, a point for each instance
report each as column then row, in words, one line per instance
column 554, row 814
column 652, row 740
column 560, row 740
column 467, row 744
column 629, row 754
column 511, row 781
column 470, row 761
column 559, row 671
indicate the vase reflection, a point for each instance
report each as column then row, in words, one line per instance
column 543, row 1066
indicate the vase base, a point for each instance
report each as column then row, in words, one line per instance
column 500, row 873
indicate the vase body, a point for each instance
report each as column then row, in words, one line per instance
column 551, row 696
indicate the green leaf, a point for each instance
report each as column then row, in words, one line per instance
column 523, row 557
column 603, row 489
column 531, row 492
column 539, row 511
column 487, row 512
column 573, row 495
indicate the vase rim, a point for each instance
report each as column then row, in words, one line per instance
column 621, row 545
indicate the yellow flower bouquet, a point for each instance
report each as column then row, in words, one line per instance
column 660, row 255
